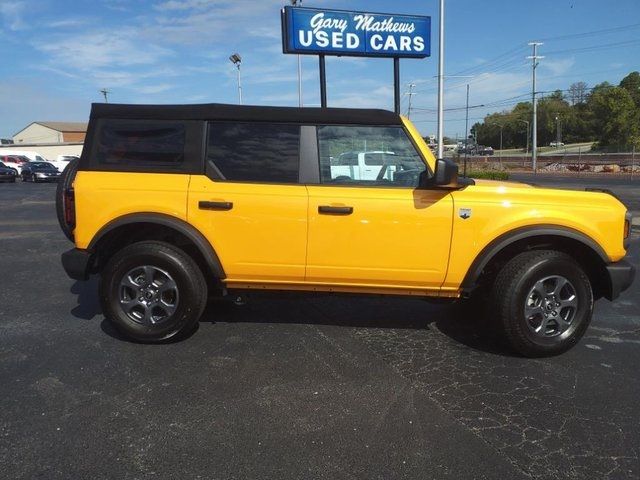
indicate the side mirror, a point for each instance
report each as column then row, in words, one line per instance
column 446, row 173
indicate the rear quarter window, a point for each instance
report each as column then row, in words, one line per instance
column 148, row 145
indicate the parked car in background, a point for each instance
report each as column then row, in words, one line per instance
column 14, row 161
column 40, row 172
column 7, row 174
column 62, row 161
column 556, row 144
column 29, row 154
column 466, row 149
column 482, row 150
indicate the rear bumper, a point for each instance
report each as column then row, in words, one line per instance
column 621, row 276
column 77, row 263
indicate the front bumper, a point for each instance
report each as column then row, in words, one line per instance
column 77, row 263
column 621, row 275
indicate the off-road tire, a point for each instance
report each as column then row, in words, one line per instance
column 509, row 296
column 182, row 269
column 65, row 182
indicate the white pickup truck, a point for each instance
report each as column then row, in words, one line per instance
column 363, row 166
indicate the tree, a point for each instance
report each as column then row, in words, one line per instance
column 631, row 83
column 578, row 93
column 606, row 114
column 616, row 116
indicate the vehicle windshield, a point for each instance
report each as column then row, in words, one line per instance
column 41, row 166
column 40, row 159
column 3, row 165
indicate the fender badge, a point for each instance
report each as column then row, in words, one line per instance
column 464, row 213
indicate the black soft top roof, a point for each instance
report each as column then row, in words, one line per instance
column 219, row 111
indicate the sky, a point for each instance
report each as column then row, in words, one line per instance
column 56, row 55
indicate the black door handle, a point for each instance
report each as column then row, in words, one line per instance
column 329, row 210
column 215, row 205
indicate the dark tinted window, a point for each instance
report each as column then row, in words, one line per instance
column 255, row 152
column 40, row 166
column 143, row 143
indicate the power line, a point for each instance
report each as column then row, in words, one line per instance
column 592, row 48
column 593, row 32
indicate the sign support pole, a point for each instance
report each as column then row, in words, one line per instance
column 323, row 82
column 396, row 84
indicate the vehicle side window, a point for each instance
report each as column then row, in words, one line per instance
column 141, row 143
column 254, row 152
column 377, row 156
column 146, row 146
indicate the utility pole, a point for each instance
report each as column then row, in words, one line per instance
column 534, row 132
column 411, row 93
column 466, row 135
column 441, row 84
column 105, row 93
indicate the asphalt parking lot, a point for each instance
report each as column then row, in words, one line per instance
column 298, row 386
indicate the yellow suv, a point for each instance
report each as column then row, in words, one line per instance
column 170, row 204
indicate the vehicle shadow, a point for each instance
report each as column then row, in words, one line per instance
column 459, row 321
column 88, row 302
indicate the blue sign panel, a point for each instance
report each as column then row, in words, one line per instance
column 337, row 32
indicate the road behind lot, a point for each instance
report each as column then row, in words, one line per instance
column 297, row 386
column 627, row 188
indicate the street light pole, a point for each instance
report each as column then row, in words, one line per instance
column 527, row 123
column 501, row 127
column 236, row 59
column 441, row 83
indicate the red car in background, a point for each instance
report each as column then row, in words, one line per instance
column 14, row 161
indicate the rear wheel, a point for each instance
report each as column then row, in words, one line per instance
column 543, row 302
column 152, row 291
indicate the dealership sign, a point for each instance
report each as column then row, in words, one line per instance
column 337, row 32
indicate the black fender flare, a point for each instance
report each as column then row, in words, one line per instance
column 508, row 238
column 193, row 234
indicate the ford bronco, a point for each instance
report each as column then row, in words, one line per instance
column 172, row 204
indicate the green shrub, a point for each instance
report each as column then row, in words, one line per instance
column 488, row 175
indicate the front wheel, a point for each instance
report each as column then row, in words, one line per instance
column 543, row 302
column 152, row 291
